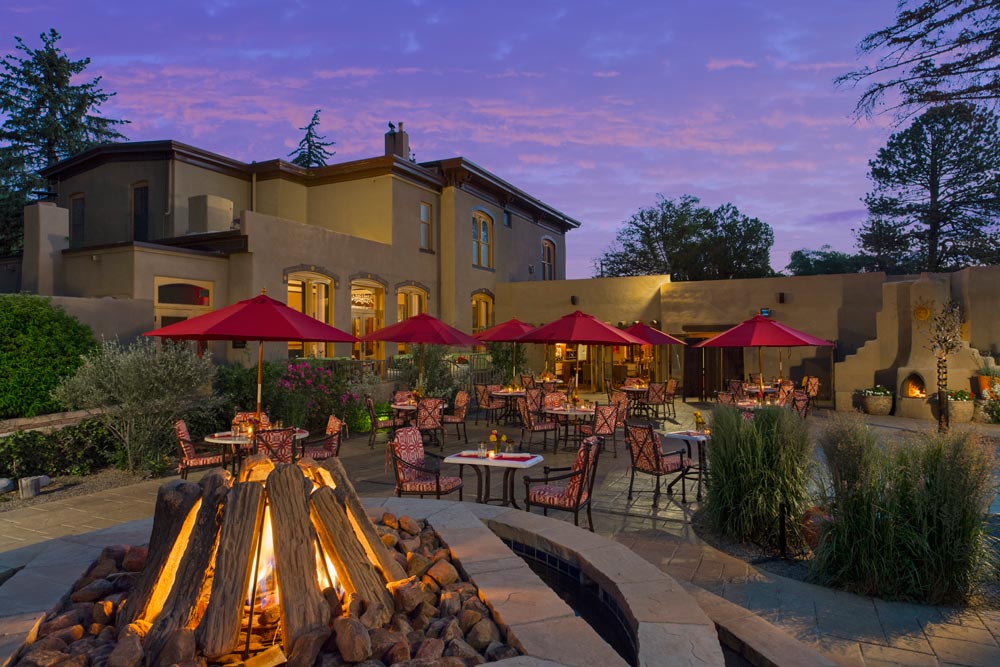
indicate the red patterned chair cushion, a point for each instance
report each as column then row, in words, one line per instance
column 554, row 496
column 276, row 444
column 423, row 483
column 409, row 446
column 202, row 460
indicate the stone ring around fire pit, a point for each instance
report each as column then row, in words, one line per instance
column 663, row 624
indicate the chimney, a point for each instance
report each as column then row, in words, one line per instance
column 397, row 142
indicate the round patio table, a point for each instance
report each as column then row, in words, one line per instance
column 509, row 398
column 634, row 394
column 236, row 441
column 569, row 416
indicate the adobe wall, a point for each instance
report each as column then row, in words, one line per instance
column 124, row 319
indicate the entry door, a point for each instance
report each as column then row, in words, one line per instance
column 706, row 369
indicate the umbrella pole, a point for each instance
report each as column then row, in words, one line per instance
column 780, row 370
column 760, row 371
column 420, row 374
column 514, row 370
column 260, row 370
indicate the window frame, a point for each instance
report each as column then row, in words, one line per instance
column 426, row 226
column 489, row 304
column 548, row 259
column 482, row 221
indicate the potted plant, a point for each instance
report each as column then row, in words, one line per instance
column 876, row 400
column 988, row 376
column 961, row 405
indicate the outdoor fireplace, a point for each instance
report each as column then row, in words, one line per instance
column 262, row 562
column 913, row 387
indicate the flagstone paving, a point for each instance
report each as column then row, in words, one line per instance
column 850, row 630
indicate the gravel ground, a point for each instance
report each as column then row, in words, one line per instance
column 69, row 486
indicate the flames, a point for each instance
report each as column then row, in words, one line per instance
column 913, row 387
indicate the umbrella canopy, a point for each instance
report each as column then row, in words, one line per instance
column 760, row 331
column 422, row 328
column 505, row 332
column 651, row 336
column 579, row 327
column 261, row 319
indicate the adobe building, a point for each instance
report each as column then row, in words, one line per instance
column 140, row 235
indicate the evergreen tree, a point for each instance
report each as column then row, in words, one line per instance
column 825, row 261
column 46, row 118
column 936, row 201
column 937, row 52
column 689, row 242
column 312, row 149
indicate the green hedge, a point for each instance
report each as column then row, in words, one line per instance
column 74, row 450
column 39, row 346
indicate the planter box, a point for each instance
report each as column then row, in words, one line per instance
column 960, row 412
column 876, row 405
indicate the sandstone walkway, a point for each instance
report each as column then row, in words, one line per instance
column 850, row 630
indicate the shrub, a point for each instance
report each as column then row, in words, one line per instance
column 438, row 379
column 906, row 521
column 74, row 450
column 140, row 390
column 310, row 394
column 758, row 460
column 39, row 346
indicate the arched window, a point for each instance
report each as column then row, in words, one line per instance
column 312, row 294
column 548, row 260
column 482, row 312
column 410, row 301
column 482, row 240
column 177, row 299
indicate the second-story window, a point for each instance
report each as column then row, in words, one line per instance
column 140, row 212
column 425, row 227
column 548, row 260
column 482, row 240
column 77, row 214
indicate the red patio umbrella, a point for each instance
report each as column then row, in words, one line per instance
column 580, row 328
column 653, row 336
column 761, row 332
column 261, row 319
column 425, row 329
column 506, row 332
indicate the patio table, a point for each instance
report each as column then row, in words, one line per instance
column 510, row 462
column 569, row 416
column 235, row 442
column 634, row 394
column 509, row 398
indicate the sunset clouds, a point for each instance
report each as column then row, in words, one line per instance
column 594, row 107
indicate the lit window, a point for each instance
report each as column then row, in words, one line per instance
column 482, row 240
column 548, row 260
column 425, row 226
column 410, row 301
column 482, row 312
column 140, row 212
column 77, row 211
column 312, row 295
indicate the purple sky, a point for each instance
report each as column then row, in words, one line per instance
column 593, row 107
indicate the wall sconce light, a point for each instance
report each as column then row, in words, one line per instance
column 781, row 297
column 621, row 324
column 572, row 300
column 765, row 312
column 655, row 324
column 95, row 258
column 531, row 268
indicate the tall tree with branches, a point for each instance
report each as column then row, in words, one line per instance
column 689, row 242
column 312, row 148
column 937, row 52
column 937, row 190
column 46, row 118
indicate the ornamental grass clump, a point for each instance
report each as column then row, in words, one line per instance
column 906, row 520
column 759, row 461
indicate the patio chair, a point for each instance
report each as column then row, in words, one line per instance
column 486, row 403
column 726, row 398
column 738, row 388
column 417, row 472
column 530, row 426
column 244, row 417
column 649, row 458
column 785, row 390
column 620, row 401
column 402, row 396
column 190, row 458
column 604, row 424
column 654, row 398
column 608, row 389
column 554, row 399
column 533, row 397
column 669, row 394
column 457, row 416
column 278, row 444
column 632, row 382
column 388, row 424
column 527, row 381
column 328, row 445
column 578, row 490
column 548, row 386
column 812, row 387
column 800, row 403
column 429, row 420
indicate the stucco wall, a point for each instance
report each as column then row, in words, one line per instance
column 361, row 208
column 191, row 180
column 124, row 319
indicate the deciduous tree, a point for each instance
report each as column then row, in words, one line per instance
column 937, row 52
column 937, row 191
column 689, row 242
column 46, row 117
column 824, row 261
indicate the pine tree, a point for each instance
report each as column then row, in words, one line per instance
column 936, row 201
column 312, row 149
column 47, row 118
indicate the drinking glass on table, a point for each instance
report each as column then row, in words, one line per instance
column 482, row 449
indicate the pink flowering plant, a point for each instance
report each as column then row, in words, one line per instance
column 309, row 394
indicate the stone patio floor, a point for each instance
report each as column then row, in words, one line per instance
column 851, row 630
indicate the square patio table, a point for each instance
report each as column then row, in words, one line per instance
column 509, row 462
